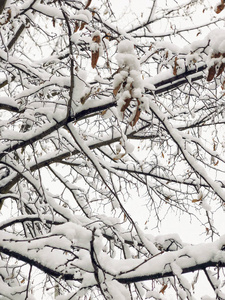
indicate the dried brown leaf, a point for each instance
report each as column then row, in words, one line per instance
column 195, row 200
column 88, row 4
column 175, row 67
column 116, row 89
column 82, row 25
column 163, row 289
column 96, row 39
column 85, row 97
column 219, row 8
column 8, row 16
column 216, row 163
column 94, row 58
column 136, row 117
column 104, row 112
column 221, row 69
column 126, row 104
column 124, row 218
column 76, row 26
column 216, row 55
column 212, row 72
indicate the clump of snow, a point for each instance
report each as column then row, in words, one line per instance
column 126, row 55
column 168, row 46
column 73, row 232
column 169, row 242
column 75, row 37
column 126, row 46
column 217, row 40
column 80, row 86
column 128, row 87
column 117, row 290
column 118, row 79
column 84, row 15
column 206, row 205
column 129, row 147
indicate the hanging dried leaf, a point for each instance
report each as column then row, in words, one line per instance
column 8, row 15
column 96, row 39
column 136, row 117
column 219, row 8
column 163, row 289
column 85, row 97
column 216, row 163
column 175, row 67
column 82, row 25
column 195, row 200
column 126, row 104
column 212, row 72
column 76, row 26
column 94, row 58
column 216, row 55
column 221, row 68
column 199, row 199
column 116, row 89
column 88, row 4
column 104, row 112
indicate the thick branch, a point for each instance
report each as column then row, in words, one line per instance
column 56, row 126
column 36, row 264
column 125, row 279
column 16, row 36
column 174, row 82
